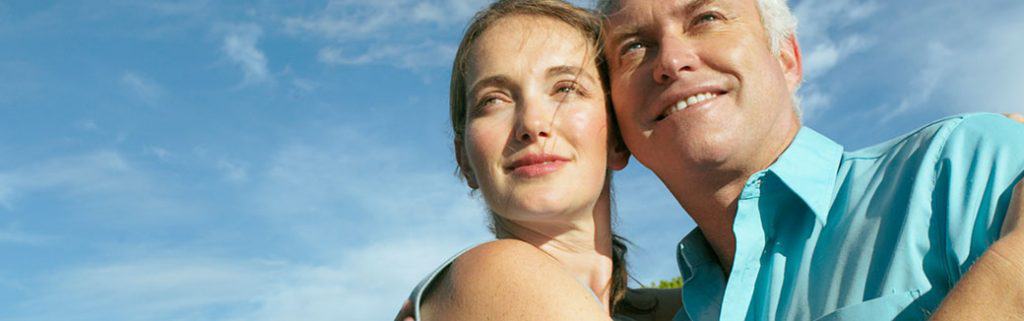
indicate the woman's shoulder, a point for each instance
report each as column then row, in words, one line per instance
column 500, row 255
column 508, row 276
column 508, row 263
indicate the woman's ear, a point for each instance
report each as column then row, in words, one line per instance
column 618, row 154
column 463, row 162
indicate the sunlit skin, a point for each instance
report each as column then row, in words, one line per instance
column 535, row 92
column 660, row 52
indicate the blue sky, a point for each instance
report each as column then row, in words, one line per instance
column 203, row 160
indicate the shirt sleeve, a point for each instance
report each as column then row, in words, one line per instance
column 981, row 160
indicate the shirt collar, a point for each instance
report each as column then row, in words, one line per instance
column 693, row 252
column 809, row 168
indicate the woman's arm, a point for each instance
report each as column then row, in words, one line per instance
column 993, row 289
column 647, row 304
column 509, row 280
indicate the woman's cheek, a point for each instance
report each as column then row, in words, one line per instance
column 587, row 128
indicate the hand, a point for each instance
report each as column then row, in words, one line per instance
column 1015, row 116
column 406, row 313
column 993, row 289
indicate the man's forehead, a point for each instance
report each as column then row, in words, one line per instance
column 621, row 8
column 627, row 16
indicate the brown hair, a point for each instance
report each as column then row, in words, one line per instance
column 590, row 25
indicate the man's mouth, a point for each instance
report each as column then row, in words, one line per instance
column 684, row 103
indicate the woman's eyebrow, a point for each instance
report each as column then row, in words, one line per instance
column 569, row 70
column 492, row 81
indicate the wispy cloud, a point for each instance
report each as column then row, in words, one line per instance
column 400, row 33
column 12, row 234
column 408, row 56
column 921, row 88
column 168, row 288
column 825, row 42
column 232, row 171
column 101, row 184
column 144, row 88
column 239, row 46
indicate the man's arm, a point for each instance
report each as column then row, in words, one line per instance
column 993, row 289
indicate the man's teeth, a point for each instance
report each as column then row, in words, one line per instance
column 692, row 100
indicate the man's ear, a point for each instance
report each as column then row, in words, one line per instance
column 618, row 154
column 463, row 162
column 791, row 63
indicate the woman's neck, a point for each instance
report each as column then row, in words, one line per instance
column 583, row 246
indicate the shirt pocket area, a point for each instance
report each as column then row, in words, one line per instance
column 886, row 307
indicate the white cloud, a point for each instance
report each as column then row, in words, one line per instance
column 921, row 88
column 150, row 289
column 351, row 19
column 316, row 186
column 240, row 47
column 826, row 55
column 160, row 153
column 12, row 234
column 87, row 125
column 366, row 282
column 989, row 76
column 401, row 33
column 101, row 185
column 366, row 218
column 821, row 23
column 814, row 101
column 142, row 87
column 407, row 56
column 232, row 171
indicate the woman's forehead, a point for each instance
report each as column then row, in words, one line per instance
column 530, row 43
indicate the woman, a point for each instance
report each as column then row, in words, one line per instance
column 533, row 133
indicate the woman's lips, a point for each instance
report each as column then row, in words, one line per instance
column 535, row 165
column 538, row 169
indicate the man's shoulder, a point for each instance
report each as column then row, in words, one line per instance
column 949, row 136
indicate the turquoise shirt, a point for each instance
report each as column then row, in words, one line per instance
column 881, row 233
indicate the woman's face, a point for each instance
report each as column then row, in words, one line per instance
column 536, row 138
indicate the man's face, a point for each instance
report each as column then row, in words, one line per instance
column 694, row 83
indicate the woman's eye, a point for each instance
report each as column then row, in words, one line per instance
column 565, row 89
column 488, row 102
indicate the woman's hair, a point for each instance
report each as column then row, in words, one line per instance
column 590, row 26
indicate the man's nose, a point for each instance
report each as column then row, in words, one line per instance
column 676, row 56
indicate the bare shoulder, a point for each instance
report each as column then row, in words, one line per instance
column 509, row 280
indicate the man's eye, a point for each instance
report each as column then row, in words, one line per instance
column 707, row 17
column 633, row 46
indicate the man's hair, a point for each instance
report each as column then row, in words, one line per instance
column 778, row 21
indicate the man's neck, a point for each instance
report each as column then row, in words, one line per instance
column 713, row 202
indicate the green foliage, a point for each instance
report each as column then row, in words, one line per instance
column 674, row 283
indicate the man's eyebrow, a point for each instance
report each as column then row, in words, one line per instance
column 694, row 5
column 623, row 31
column 630, row 29
column 569, row 70
column 495, row 81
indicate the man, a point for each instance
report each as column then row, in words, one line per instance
column 791, row 226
